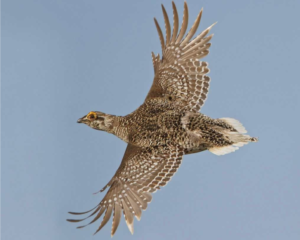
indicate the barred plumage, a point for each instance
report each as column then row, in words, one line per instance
column 165, row 127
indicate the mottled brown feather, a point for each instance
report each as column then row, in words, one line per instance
column 165, row 127
column 136, row 178
column 172, row 76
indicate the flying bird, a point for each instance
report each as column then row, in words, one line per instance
column 165, row 127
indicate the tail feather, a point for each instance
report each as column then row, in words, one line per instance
column 237, row 137
column 235, row 124
column 223, row 150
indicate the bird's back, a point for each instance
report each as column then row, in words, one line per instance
column 161, row 121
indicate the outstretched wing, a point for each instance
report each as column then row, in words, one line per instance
column 179, row 75
column 142, row 172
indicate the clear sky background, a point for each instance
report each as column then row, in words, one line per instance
column 64, row 58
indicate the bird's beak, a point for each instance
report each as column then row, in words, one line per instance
column 81, row 120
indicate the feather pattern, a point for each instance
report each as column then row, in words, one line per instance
column 117, row 218
column 142, row 171
column 106, row 218
column 184, row 23
column 164, row 128
column 193, row 29
column 175, row 23
column 180, row 74
column 161, row 37
column 167, row 25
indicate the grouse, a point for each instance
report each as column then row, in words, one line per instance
column 165, row 127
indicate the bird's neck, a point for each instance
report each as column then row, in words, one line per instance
column 120, row 128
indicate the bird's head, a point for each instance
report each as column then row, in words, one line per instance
column 98, row 121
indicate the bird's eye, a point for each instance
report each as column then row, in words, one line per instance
column 92, row 116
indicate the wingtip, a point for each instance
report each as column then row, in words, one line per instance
column 201, row 11
column 96, row 232
column 210, row 27
column 131, row 229
column 185, row 6
column 71, row 220
column 163, row 9
column 77, row 213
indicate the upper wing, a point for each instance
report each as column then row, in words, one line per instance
column 142, row 171
column 179, row 75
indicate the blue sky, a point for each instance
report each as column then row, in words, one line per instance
column 62, row 59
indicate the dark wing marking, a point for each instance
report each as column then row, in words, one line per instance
column 180, row 74
column 142, row 172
